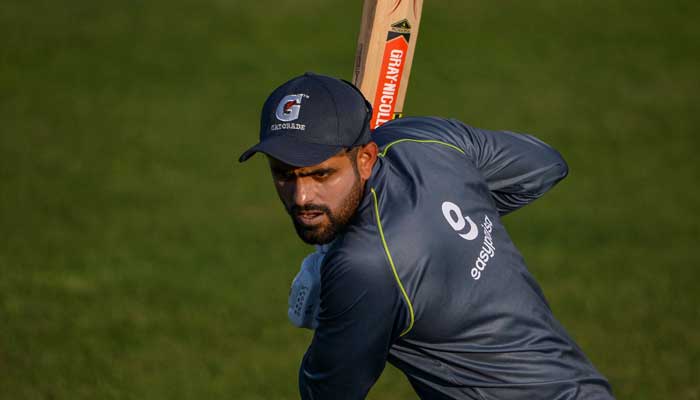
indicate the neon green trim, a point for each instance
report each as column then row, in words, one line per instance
column 391, row 262
column 383, row 153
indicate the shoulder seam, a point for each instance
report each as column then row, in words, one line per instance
column 391, row 263
column 388, row 146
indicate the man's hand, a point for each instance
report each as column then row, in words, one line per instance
column 305, row 293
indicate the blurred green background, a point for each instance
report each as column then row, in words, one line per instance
column 139, row 260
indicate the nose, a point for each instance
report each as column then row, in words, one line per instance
column 304, row 191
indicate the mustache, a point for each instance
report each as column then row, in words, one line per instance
column 295, row 209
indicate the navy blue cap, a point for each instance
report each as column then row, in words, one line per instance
column 310, row 118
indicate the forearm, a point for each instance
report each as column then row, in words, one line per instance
column 333, row 378
column 360, row 315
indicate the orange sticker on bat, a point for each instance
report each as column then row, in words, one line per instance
column 393, row 61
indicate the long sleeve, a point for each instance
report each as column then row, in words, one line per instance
column 518, row 168
column 358, row 320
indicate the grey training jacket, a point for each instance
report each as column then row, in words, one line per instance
column 426, row 277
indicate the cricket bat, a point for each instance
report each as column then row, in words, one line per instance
column 385, row 48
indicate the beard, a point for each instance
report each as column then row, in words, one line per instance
column 325, row 232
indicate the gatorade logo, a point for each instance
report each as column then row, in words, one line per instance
column 289, row 107
column 288, row 110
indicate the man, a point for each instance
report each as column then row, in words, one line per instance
column 418, row 270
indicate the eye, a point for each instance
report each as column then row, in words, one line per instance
column 322, row 175
column 282, row 176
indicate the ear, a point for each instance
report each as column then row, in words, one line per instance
column 366, row 157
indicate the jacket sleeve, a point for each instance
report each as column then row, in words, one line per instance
column 518, row 168
column 358, row 320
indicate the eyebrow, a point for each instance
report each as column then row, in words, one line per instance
column 319, row 171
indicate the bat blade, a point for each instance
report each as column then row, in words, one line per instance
column 385, row 48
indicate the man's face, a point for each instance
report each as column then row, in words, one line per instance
column 322, row 198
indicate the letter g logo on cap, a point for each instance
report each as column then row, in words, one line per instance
column 288, row 108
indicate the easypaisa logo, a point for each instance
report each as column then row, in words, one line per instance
column 458, row 222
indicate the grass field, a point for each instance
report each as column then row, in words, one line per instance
column 139, row 260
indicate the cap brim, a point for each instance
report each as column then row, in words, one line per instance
column 290, row 151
